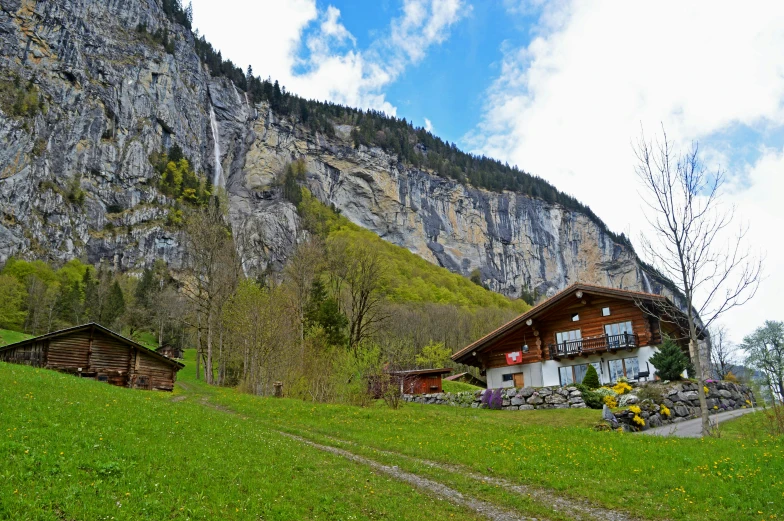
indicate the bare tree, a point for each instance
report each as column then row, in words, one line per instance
column 690, row 223
column 723, row 353
column 357, row 271
column 213, row 266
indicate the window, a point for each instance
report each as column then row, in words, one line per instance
column 580, row 370
column 507, row 378
column 605, row 312
column 566, row 376
column 568, row 336
column 615, row 330
column 628, row 367
column 575, row 317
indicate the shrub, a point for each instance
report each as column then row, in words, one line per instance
column 606, row 391
column 610, row 402
column 664, row 411
column 621, row 387
column 652, row 392
column 635, row 409
column 669, row 361
column 591, row 398
column 591, row 378
column 496, row 400
column 638, row 420
column 623, row 400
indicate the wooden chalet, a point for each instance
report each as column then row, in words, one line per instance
column 420, row 381
column 170, row 351
column 92, row 351
column 614, row 330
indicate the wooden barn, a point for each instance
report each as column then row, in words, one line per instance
column 92, row 351
column 420, row 381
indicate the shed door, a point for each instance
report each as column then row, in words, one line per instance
column 519, row 380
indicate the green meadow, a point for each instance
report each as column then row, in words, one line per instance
column 79, row 449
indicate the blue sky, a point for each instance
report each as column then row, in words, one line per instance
column 562, row 89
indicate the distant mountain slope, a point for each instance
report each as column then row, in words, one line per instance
column 92, row 89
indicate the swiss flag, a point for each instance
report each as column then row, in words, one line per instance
column 514, row 358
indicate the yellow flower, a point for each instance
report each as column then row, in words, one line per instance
column 705, row 388
column 635, row 409
column 664, row 410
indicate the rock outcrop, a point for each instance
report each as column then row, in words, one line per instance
column 76, row 179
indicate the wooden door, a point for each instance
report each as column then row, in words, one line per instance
column 519, row 379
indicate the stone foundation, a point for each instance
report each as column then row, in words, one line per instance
column 683, row 403
column 523, row 399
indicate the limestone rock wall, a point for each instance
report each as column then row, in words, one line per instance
column 112, row 96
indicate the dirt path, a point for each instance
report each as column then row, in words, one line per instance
column 575, row 508
column 482, row 508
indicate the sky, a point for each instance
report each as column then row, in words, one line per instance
column 561, row 89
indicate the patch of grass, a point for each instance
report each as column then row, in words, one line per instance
column 11, row 337
column 457, row 387
column 650, row 476
column 79, row 449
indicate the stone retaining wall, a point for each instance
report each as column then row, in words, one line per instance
column 679, row 397
column 526, row 398
column 683, row 403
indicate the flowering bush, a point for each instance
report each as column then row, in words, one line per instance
column 638, row 420
column 635, row 409
column 610, row 402
column 705, row 388
column 625, row 399
column 621, row 387
column 605, row 391
column 664, row 411
column 496, row 400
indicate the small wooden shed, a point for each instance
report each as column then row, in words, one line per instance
column 93, row 351
column 420, row 381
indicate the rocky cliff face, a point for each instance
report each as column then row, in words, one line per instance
column 111, row 96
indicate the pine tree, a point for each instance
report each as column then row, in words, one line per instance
column 591, row 378
column 669, row 361
column 115, row 305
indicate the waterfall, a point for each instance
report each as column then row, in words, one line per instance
column 646, row 283
column 218, row 171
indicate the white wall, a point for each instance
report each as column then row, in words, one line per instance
column 532, row 375
column 643, row 354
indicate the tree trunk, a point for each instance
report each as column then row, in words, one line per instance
column 695, row 355
column 208, row 361
column 198, row 346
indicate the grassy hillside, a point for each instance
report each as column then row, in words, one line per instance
column 9, row 337
column 410, row 278
column 79, row 449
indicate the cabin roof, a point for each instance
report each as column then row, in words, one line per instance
column 99, row 327
column 420, row 372
column 551, row 302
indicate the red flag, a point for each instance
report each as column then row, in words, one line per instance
column 514, row 358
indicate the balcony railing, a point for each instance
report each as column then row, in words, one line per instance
column 588, row 346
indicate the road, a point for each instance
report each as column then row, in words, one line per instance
column 693, row 428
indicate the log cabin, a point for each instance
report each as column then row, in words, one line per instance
column 420, row 381
column 614, row 330
column 93, row 351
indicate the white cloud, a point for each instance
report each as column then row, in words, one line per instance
column 428, row 125
column 313, row 54
column 568, row 106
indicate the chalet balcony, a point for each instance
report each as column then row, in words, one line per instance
column 592, row 346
